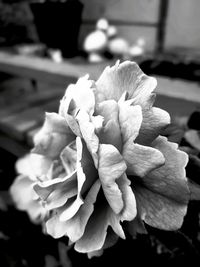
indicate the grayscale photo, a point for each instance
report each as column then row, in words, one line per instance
column 99, row 133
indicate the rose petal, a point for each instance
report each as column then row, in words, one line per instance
column 130, row 118
column 25, row 198
column 154, row 121
column 111, row 133
column 126, row 76
column 129, row 211
column 59, row 197
column 170, row 179
column 159, row 211
column 82, row 94
column 33, row 165
column 88, row 133
column 71, row 121
column 95, row 233
column 68, row 158
column 67, row 101
column 69, row 211
column 111, row 168
column 108, row 110
column 136, row 226
column 97, row 121
column 111, row 240
column 74, row 227
column 174, row 132
column 96, row 253
column 141, row 159
column 73, row 208
column 115, row 224
column 55, row 227
column 53, row 136
column 66, row 185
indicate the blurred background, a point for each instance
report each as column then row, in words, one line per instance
column 44, row 46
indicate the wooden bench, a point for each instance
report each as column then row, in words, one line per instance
column 21, row 115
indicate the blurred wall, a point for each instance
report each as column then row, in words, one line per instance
column 183, row 24
column 133, row 18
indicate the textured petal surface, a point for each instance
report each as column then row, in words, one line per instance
column 82, row 95
column 68, row 158
column 108, row 109
column 53, row 136
column 111, row 168
column 95, row 233
column 154, row 121
column 170, row 179
column 111, row 133
column 159, row 211
column 54, row 193
column 33, row 165
column 88, row 132
column 74, row 207
column 141, row 159
column 128, row 77
column 25, row 198
column 130, row 118
column 74, row 227
column 129, row 210
column 73, row 124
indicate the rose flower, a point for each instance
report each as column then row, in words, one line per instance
column 108, row 163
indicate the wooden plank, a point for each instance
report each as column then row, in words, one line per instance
column 28, row 100
column 176, row 107
column 46, row 70
column 178, row 89
column 16, row 125
column 12, row 146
